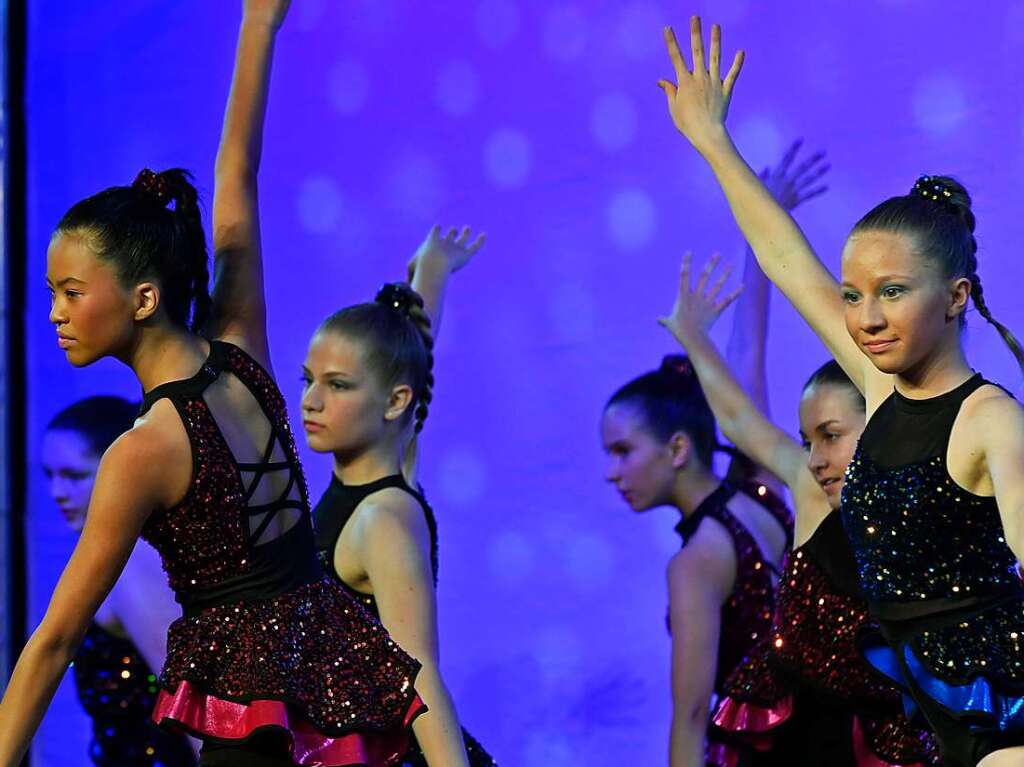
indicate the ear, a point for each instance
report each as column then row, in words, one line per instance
column 959, row 295
column 398, row 402
column 681, row 449
column 147, row 300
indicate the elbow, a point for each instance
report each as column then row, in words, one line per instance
column 234, row 168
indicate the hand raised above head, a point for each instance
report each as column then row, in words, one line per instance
column 791, row 186
column 698, row 101
column 697, row 307
column 451, row 251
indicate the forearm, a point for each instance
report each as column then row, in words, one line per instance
column 686, row 739
column 745, row 351
column 37, row 674
column 438, row 731
column 431, row 281
column 242, row 135
column 773, row 236
column 726, row 397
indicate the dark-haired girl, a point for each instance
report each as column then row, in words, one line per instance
column 271, row 663
column 804, row 695
column 660, row 435
column 933, row 503
column 127, row 637
column 368, row 380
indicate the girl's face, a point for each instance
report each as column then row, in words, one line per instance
column 831, row 421
column 70, row 467
column 93, row 313
column 344, row 407
column 642, row 468
column 899, row 307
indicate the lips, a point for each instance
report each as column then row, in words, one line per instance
column 312, row 427
column 64, row 341
column 828, row 483
column 877, row 347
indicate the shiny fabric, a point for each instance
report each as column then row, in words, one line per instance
column 811, row 660
column 118, row 690
column 305, row 649
column 332, row 512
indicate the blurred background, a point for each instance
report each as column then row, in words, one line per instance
column 541, row 124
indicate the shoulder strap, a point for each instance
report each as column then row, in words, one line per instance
column 189, row 388
column 710, row 506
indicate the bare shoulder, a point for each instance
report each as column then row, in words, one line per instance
column 992, row 414
column 707, row 562
column 155, row 451
column 390, row 512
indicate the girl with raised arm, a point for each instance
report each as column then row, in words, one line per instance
column 127, row 637
column 272, row 663
column 368, row 383
column 659, row 434
column 804, row 695
column 933, row 503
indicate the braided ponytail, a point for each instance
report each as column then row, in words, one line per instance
column 421, row 321
column 977, row 296
column 191, row 241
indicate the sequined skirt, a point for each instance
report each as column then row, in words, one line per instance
column 310, row 663
column 966, row 666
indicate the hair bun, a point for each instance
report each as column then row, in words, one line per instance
column 153, row 184
column 946, row 191
column 399, row 296
column 678, row 365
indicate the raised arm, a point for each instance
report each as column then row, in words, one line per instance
column 239, row 306
column 739, row 418
column 698, row 104
column 790, row 186
column 395, row 545
column 437, row 259
column 130, row 483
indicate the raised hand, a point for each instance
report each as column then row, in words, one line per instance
column 699, row 100
column 269, row 12
column 696, row 308
column 448, row 253
column 791, row 186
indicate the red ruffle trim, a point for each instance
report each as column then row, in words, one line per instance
column 202, row 715
column 748, row 719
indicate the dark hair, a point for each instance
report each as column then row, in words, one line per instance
column 99, row 420
column 133, row 228
column 396, row 337
column 937, row 214
column 832, row 374
column 670, row 400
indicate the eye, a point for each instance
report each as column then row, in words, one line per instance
column 805, row 444
column 78, row 476
column 306, row 381
column 850, row 296
column 893, row 291
column 337, row 385
column 831, row 437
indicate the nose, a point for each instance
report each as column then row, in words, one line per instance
column 613, row 471
column 57, row 313
column 871, row 317
column 311, row 400
column 58, row 490
column 817, row 461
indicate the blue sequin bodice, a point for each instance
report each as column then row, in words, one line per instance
column 918, row 536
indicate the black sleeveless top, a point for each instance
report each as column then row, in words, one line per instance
column 332, row 513
column 336, row 507
column 923, row 544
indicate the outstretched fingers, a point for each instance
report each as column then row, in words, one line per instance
column 676, row 55
column 734, row 73
column 477, row 243
column 722, row 305
column 715, row 55
column 697, row 46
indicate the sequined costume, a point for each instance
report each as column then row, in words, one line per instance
column 747, row 614
column 267, row 643
column 118, row 690
column 332, row 513
column 805, row 696
column 939, row 578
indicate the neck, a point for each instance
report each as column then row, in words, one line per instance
column 938, row 373
column 164, row 353
column 366, row 466
column 692, row 486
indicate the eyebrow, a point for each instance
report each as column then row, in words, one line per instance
column 328, row 373
column 882, row 279
column 825, row 424
column 66, row 280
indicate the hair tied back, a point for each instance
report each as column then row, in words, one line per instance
column 153, row 184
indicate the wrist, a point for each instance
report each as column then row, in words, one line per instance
column 254, row 23
column 433, row 267
column 715, row 143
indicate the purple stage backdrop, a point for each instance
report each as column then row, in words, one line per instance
column 541, row 124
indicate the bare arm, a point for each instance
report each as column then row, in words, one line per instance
column 1000, row 422
column 144, row 604
column 394, row 542
column 738, row 416
column 700, row 578
column 239, row 304
column 130, row 483
column 435, row 261
column 698, row 105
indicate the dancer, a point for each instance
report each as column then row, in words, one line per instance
column 659, row 434
column 368, row 384
column 804, row 696
column 933, row 503
column 127, row 638
column 272, row 663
